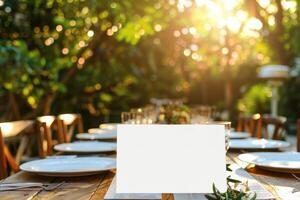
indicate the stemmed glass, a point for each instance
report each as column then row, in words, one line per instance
column 227, row 126
column 138, row 116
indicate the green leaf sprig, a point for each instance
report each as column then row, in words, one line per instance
column 232, row 193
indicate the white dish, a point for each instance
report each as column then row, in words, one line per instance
column 253, row 143
column 274, row 161
column 97, row 136
column 86, row 147
column 69, row 167
column 109, row 126
column 101, row 131
column 238, row 135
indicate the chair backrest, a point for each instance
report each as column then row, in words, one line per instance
column 6, row 159
column 277, row 124
column 46, row 125
column 251, row 124
column 70, row 122
column 298, row 135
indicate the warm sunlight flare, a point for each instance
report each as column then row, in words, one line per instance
column 6, row 128
column 225, row 15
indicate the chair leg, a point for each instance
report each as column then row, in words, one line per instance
column 10, row 160
column 40, row 129
column 259, row 130
column 60, row 131
column 80, row 124
column 3, row 164
column 298, row 135
column 22, row 148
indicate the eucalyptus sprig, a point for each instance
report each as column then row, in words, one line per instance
column 232, row 192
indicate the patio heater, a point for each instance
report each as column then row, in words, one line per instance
column 275, row 75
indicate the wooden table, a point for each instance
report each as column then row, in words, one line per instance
column 281, row 186
column 17, row 130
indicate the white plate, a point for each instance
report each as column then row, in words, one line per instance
column 238, row 135
column 99, row 130
column 253, row 143
column 109, row 126
column 69, row 167
column 275, row 161
column 86, row 147
column 97, row 136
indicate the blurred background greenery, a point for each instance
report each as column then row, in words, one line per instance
column 99, row 58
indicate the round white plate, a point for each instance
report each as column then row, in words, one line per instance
column 97, row 136
column 69, row 167
column 109, row 126
column 253, row 143
column 275, row 161
column 86, row 147
column 99, row 130
column 238, row 135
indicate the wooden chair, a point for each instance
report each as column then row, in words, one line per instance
column 70, row 123
column 251, row 124
column 18, row 133
column 298, row 135
column 276, row 123
column 6, row 159
column 46, row 126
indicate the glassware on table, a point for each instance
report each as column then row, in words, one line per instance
column 227, row 125
column 126, row 118
column 201, row 114
column 138, row 116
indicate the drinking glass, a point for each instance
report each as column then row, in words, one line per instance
column 227, row 125
column 126, row 117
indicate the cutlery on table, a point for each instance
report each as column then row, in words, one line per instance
column 17, row 186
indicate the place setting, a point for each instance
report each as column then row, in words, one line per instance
column 86, row 147
column 69, row 167
column 282, row 162
column 98, row 134
column 109, row 126
column 79, row 158
column 257, row 144
column 238, row 135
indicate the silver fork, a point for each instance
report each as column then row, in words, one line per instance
column 295, row 176
column 46, row 188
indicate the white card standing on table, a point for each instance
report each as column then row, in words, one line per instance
column 170, row 158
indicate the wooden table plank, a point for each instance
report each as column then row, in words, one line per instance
column 79, row 188
column 103, row 186
column 24, row 194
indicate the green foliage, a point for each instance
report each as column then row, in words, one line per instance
column 175, row 114
column 256, row 100
column 290, row 99
column 101, row 57
column 232, row 192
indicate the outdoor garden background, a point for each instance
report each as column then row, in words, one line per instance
column 101, row 57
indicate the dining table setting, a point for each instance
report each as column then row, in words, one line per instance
column 85, row 168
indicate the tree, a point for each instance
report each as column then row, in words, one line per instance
column 103, row 57
column 49, row 42
column 277, row 17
